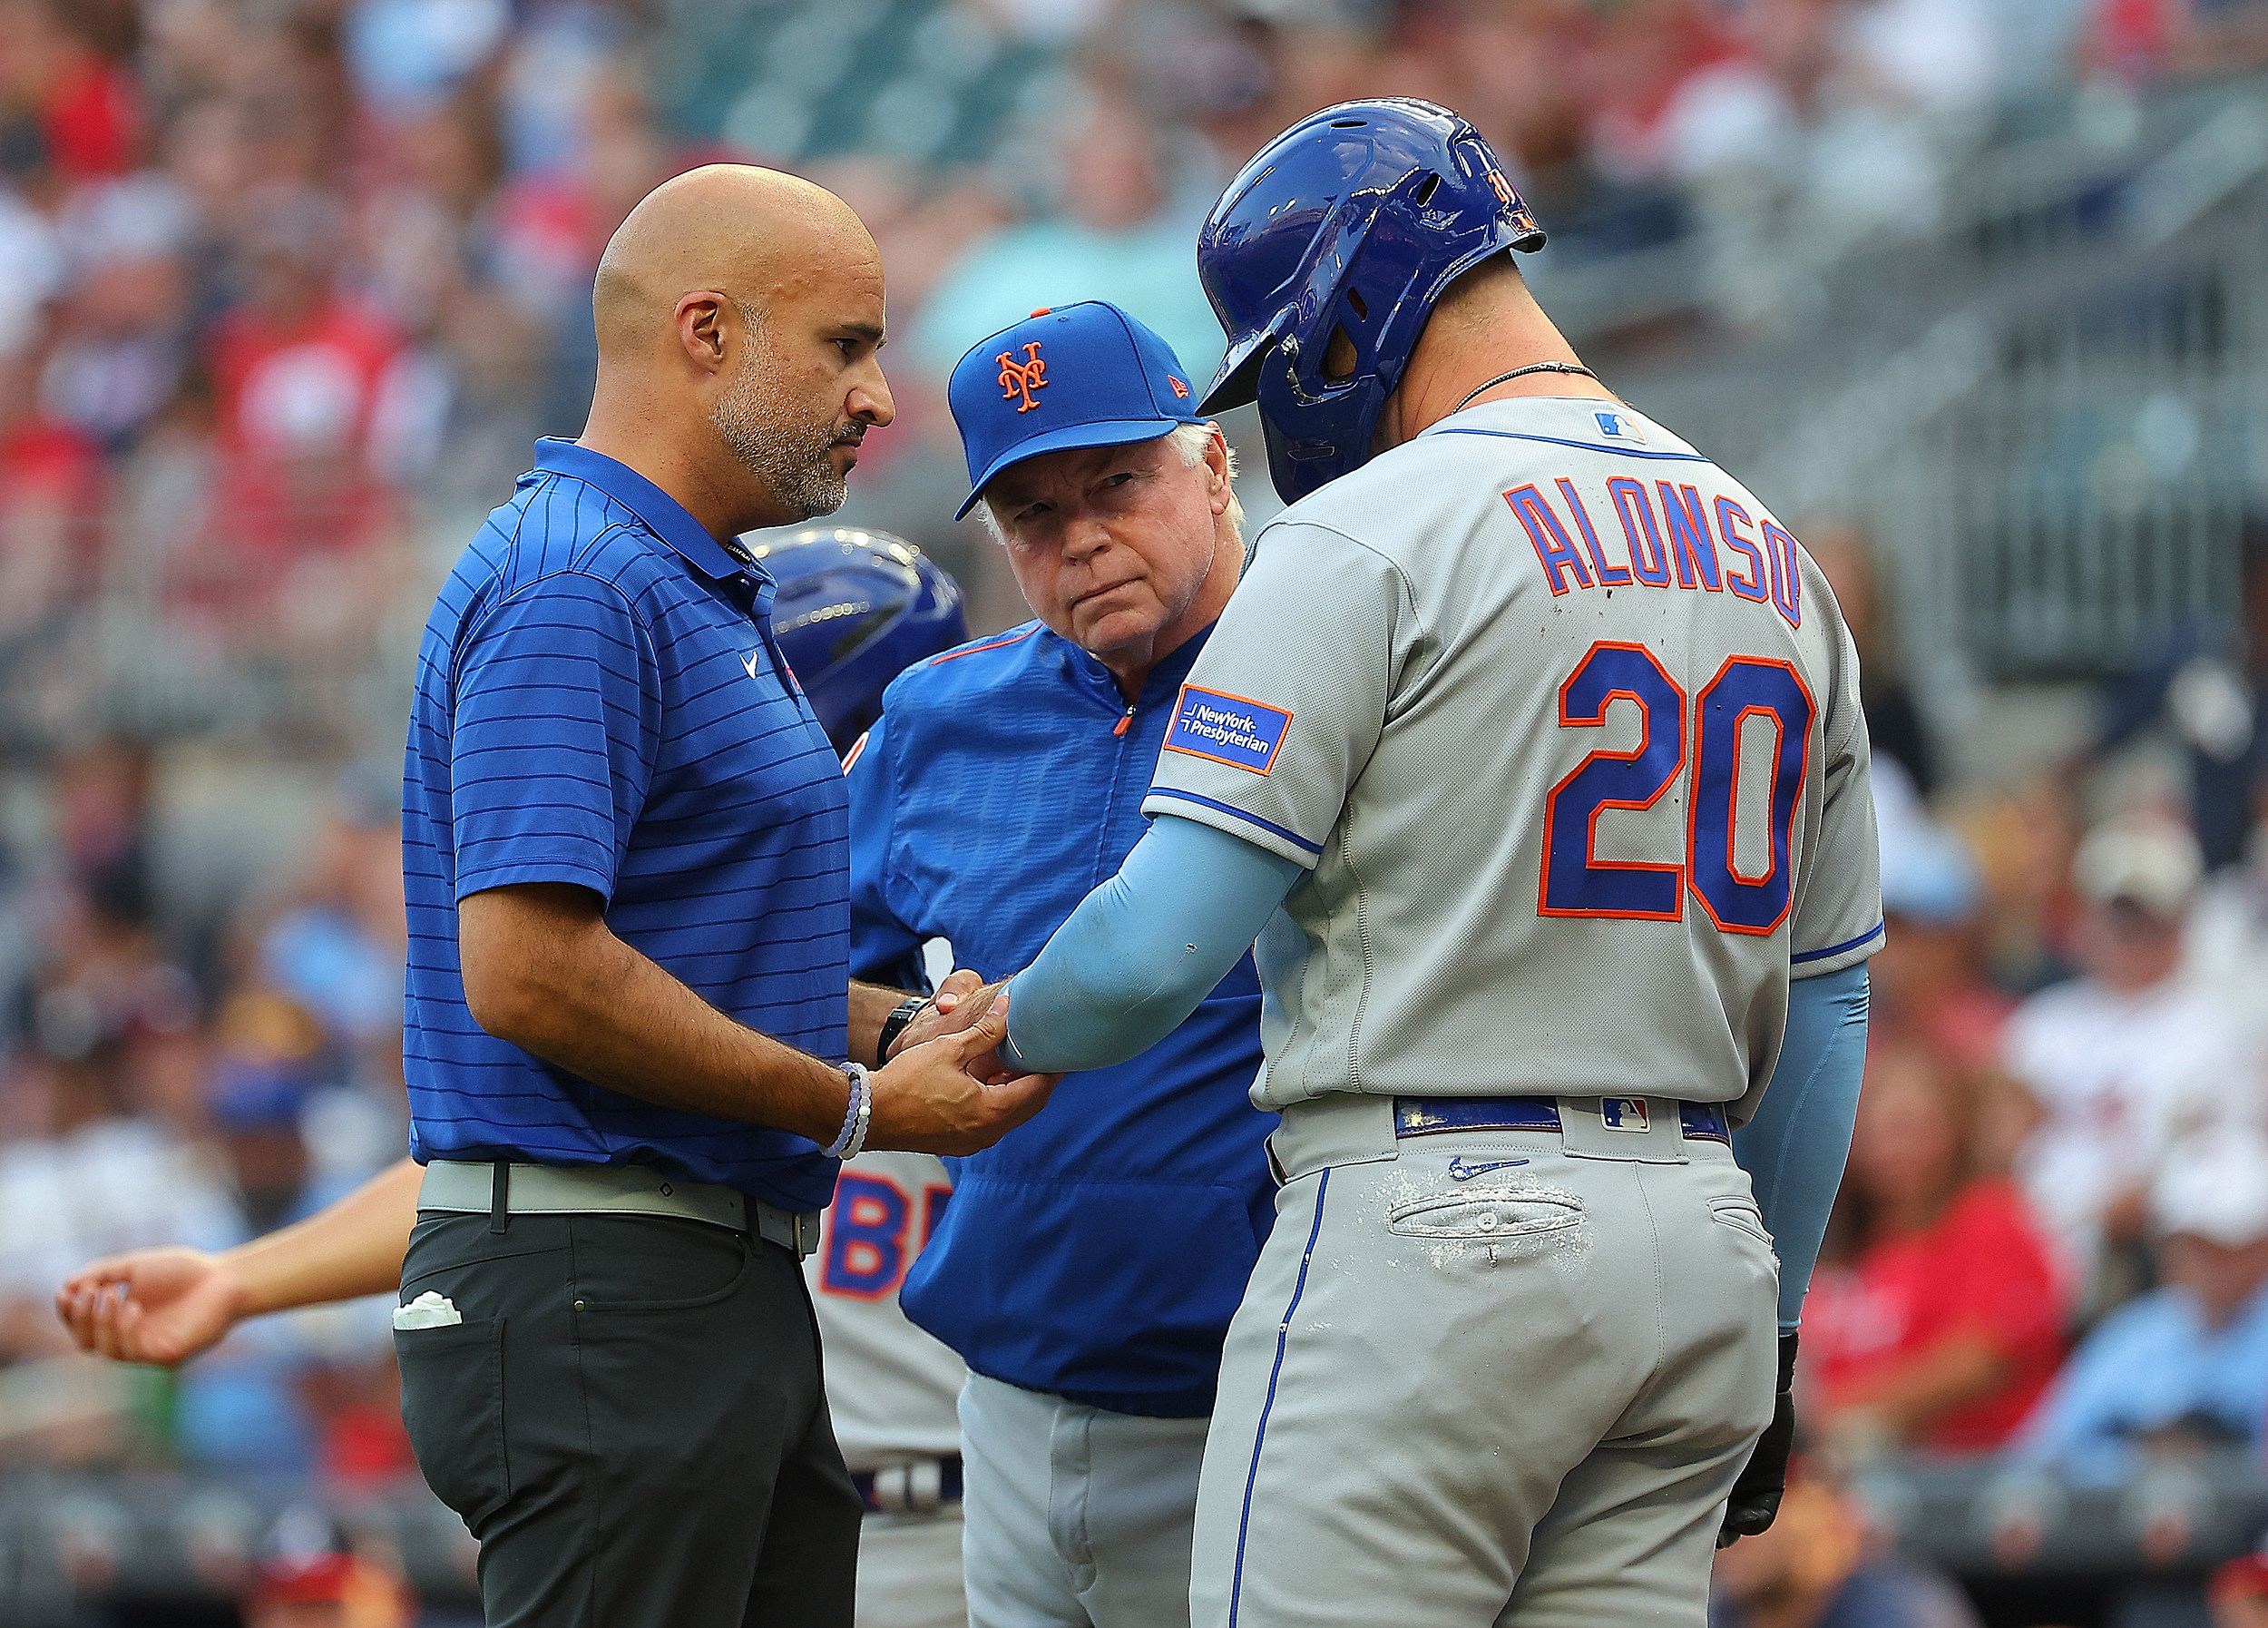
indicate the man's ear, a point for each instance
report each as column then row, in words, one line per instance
column 700, row 325
column 1216, row 483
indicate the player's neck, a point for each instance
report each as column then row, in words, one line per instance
column 1463, row 349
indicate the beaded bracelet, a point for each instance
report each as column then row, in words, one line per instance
column 856, row 1117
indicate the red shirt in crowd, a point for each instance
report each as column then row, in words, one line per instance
column 1983, row 1268
column 296, row 406
column 40, row 458
column 91, row 119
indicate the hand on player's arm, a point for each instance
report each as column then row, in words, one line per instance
column 543, row 971
column 164, row 1305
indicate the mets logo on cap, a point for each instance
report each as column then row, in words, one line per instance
column 1105, row 377
column 1021, row 379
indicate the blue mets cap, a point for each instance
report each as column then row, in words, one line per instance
column 1085, row 375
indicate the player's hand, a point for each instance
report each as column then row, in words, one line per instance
column 947, row 1012
column 161, row 1306
column 1755, row 1499
column 951, row 1094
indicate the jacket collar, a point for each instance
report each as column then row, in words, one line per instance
column 664, row 515
column 1164, row 679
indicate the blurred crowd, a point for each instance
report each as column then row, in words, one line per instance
column 288, row 286
column 196, row 1089
column 2053, row 1234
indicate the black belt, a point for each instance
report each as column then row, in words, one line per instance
column 892, row 1491
column 1435, row 1115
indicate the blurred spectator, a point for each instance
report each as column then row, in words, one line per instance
column 49, row 494
column 2123, row 1061
column 2212, row 693
column 337, row 949
column 299, row 369
column 2237, row 1594
column 1121, row 238
column 81, row 105
column 2227, row 951
column 409, row 55
column 1946, row 1324
column 97, row 1178
column 1894, row 725
column 2023, row 842
column 1674, row 96
column 334, row 952
column 2141, row 40
column 1928, row 984
column 245, row 1403
column 1816, row 1567
column 32, row 268
column 308, row 1576
column 2183, row 1368
column 120, row 355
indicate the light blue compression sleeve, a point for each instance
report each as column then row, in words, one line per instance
column 1794, row 1148
column 1144, row 948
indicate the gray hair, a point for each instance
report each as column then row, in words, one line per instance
column 1189, row 440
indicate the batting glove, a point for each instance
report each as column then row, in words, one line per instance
column 1755, row 1499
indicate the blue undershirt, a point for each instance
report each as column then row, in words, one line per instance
column 1145, row 946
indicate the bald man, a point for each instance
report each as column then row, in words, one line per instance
column 632, row 1049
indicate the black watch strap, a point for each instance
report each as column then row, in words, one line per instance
column 895, row 1025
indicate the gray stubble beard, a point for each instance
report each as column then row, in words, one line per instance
column 793, row 459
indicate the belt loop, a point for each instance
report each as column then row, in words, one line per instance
column 499, row 1196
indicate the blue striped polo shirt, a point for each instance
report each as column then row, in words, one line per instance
column 599, row 700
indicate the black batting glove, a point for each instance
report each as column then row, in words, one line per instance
column 1755, row 1499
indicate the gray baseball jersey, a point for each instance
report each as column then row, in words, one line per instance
column 1565, row 726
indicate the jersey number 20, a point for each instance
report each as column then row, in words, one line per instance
column 1577, row 882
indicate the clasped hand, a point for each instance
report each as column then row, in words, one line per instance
column 943, row 1089
column 962, row 1002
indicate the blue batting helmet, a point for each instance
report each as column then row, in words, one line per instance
column 1352, row 221
column 852, row 610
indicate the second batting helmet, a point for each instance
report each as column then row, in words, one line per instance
column 1352, row 221
column 853, row 609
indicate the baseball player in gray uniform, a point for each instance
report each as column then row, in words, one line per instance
column 1529, row 749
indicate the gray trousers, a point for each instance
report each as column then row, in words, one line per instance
column 909, row 1570
column 1075, row 1516
column 1486, row 1378
column 630, row 1419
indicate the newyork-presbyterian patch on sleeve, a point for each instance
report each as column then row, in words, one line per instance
column 1227, row 729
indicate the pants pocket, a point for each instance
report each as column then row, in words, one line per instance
column 1742, row 1216
column 658, row 1266
column 453, row 1406
column 1483, row 1217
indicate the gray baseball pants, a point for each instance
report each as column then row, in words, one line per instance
column 1074, row 1516
column 1486, row 1378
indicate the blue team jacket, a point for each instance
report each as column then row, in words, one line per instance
column 1098, row 1250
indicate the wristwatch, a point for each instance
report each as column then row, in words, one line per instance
column 895, row 1025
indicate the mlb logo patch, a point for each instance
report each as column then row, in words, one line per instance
column 1623, row 1113
column 1619, row 426
column 1227, row 729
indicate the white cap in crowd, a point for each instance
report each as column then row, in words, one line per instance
column 2146, row 861
column 2213, row 1185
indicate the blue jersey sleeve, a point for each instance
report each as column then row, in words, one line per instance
column 555, row 725
column 1143, row 950
column 1793, row 1149
column 886, row 942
